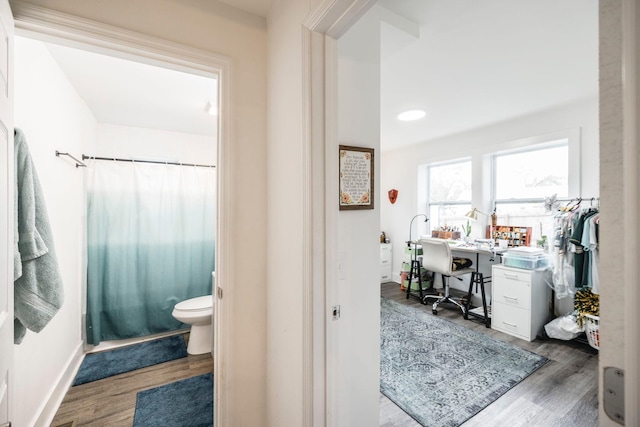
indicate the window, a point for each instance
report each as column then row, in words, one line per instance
column 449, row 193
column 522, row 181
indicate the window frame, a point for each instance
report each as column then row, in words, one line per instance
column 429, row 203
column 559, row 142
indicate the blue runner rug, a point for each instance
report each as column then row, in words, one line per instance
column 441, row 373
column 97, row 366
column 184, row 403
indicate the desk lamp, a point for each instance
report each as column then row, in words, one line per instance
column 473, row 214
column 411, row 226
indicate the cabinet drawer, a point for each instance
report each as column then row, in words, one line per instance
column 511, row 292
column 511, row 320
column 385, row 257
column 511, row 274
column 385, row 274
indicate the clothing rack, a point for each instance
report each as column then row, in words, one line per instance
column 573, row 203
column 79, row 164
column 116, row 159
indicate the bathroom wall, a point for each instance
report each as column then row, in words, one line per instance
column 53, row 117
column 153, row 144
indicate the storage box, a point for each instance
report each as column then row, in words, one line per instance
column 527, row 262
column 414, row 284
column 451, row 235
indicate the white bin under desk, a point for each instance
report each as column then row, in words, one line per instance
column 521, row 301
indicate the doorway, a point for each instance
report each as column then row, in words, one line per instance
column 63, row 182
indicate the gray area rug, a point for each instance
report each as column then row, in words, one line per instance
column 441, row 373
column 184, row 403
column 106, row 364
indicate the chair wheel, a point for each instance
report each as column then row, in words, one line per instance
column 434, row 311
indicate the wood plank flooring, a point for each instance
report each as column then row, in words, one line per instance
column 112, row 401
column 564, row 392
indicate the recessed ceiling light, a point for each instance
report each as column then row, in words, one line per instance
column 411, row 115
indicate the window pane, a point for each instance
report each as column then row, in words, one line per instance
column 527, row 215
column 451, row 215
column 532, row 174
column 451, row 182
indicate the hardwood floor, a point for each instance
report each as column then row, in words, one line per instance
column 563, row 393
column 112, row 401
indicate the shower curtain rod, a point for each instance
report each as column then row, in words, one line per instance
column 116, row 159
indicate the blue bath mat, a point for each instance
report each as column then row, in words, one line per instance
column 184, row 403
column 105, row 364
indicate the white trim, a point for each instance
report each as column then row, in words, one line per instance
column 631, row 203
column 49, row 408
column 44, row 24
column 307, row 236
column 332, row 255
column 331, row 18
column 334, row 17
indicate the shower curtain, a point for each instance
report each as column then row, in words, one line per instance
column 150, row 245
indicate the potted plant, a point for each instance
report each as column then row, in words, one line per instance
column 467, row 231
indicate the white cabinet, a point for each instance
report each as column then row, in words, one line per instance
column 521, row 301
column 385, row 262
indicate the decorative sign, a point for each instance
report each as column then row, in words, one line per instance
column 356, row 178
column 393, row 195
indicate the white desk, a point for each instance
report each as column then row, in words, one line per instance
column 478, row 277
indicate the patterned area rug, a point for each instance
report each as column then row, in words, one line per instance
column 441, row 373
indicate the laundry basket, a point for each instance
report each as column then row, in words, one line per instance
column 592, row 329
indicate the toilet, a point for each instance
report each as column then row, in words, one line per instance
column 197, row 312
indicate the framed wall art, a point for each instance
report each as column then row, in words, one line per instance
column 356, row 178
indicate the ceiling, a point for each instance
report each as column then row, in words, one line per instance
column 468, row 64
column 257, row 7
column 129, row 93
column 471, row 64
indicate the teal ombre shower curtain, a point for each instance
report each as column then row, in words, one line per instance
column 150, row 244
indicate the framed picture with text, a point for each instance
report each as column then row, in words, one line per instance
column 356, row 178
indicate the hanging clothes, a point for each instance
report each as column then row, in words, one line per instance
column 581, row 256
column 38, row 287
column 595, row 253
column 563, row 273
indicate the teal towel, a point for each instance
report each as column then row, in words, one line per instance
column 38, row 289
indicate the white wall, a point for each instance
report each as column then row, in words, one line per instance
column 284, row 243
column 359, row 230
column 53, row 117
column 400, row 168
column 154, row 144
column 219, row 28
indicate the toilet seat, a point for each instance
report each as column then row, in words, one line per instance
column 195, row 304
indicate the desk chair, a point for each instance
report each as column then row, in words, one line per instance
column 437, row 258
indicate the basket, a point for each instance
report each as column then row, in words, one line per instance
column 592, row 329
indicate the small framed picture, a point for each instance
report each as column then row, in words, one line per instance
column 356, row 178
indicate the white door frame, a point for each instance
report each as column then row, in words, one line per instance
column 7, row 169
column 630, row 206
column 52, row 26
column 322, row 27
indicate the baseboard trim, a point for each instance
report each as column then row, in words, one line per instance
column 65, row 380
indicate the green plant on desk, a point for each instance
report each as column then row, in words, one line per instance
column 467, row 229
